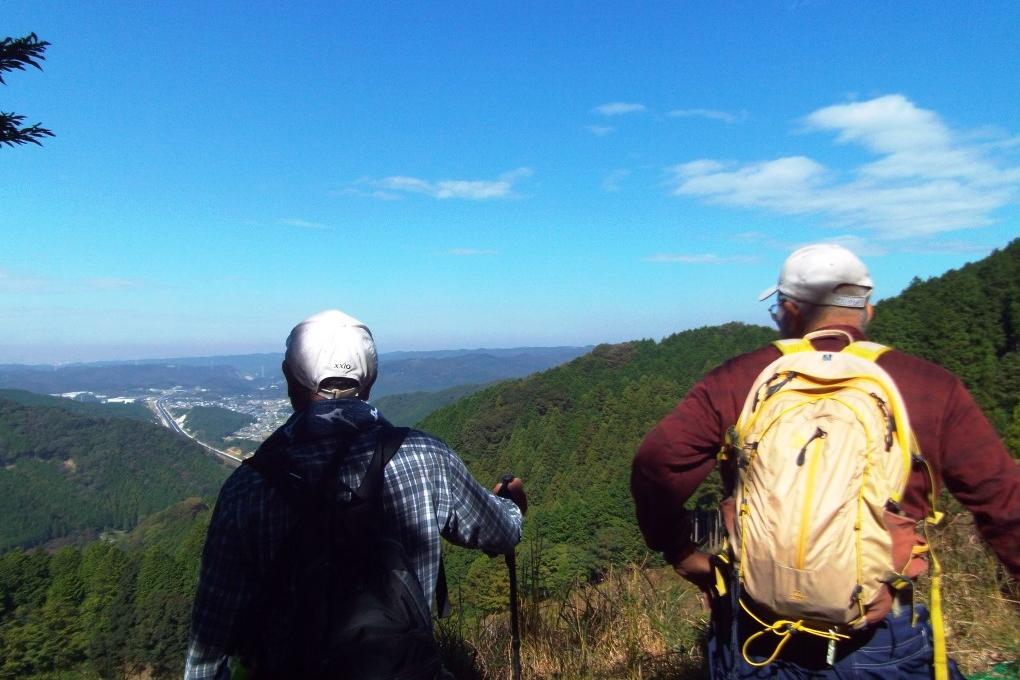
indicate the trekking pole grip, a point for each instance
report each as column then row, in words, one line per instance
column 503, row 491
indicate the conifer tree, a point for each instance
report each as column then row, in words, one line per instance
column 15, row 54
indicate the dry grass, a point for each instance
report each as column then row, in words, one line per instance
column 981, row 602
column 637, row 624
column 646, row 624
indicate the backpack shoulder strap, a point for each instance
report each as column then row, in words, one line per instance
column 866, row 350
column 271, row 461
column 388, row 442
column 794, row 345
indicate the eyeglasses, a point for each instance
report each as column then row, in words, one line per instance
column 775, row 311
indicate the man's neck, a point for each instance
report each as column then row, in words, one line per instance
column 854, row 330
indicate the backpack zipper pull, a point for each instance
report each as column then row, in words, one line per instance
column 819, row 434
column 790, row 375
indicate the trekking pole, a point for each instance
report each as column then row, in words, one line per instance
column 511, row 567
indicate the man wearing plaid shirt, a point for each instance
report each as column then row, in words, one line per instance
column 330, row 366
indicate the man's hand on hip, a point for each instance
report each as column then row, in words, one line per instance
column 696, row 567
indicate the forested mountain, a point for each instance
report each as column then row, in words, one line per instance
column 403, row 372
column 212, row 424
column 408, row 408
column 967, row 320
column 66, row 475
column 134, row 411
column 112, row 609
column 571, row 433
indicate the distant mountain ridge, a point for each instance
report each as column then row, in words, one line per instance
column 411, row 372
column 259, row 374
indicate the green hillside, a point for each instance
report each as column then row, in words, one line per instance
column 67, row 476
column 112, row 609
column 967, row 320
column 404, row 410
column 212, row 424
column 571, row 433
column 134, row 411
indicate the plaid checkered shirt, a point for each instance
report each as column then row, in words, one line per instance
column 428, row 493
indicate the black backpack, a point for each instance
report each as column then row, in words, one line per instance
column 342, row 600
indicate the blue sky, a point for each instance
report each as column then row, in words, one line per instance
column 485, row 174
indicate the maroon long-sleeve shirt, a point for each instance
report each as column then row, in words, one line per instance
column 959, row 443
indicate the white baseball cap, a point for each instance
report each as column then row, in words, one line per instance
column 812, row 274
column 331, row 344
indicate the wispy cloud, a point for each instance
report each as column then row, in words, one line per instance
column 611, row 182
column 710, row 114
column 703, row 258
column 468, row 189
column 472, row 252
column 926, row 180
column 619, row 108
column 942, row 246
column 302, row 224
column 31, row 283
column 373, row 193
column 599, row 130
column 99, row 283
column 19, row 282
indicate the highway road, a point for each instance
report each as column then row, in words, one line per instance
column 166, row 419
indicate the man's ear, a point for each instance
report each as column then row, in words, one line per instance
column 870, row 311
column 791, row 319
column 792, row 310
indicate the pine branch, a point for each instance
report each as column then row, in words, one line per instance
column 11, row 134
column 16, row 53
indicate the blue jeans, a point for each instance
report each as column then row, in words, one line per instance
column 894, row 649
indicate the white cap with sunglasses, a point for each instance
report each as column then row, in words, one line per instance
column 813, row 273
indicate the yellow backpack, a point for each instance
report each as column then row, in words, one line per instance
column 823, row 447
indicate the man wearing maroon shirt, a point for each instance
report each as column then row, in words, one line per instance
column 826, row 287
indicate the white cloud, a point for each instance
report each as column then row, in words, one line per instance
column 470, row 252
column 303, row 224
column 599, row 130
column 469, row 189
column 785, row 183
column 703, row 258
column 619, row 108
column 927, row 178
column 611, row 182
column 710, row 114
